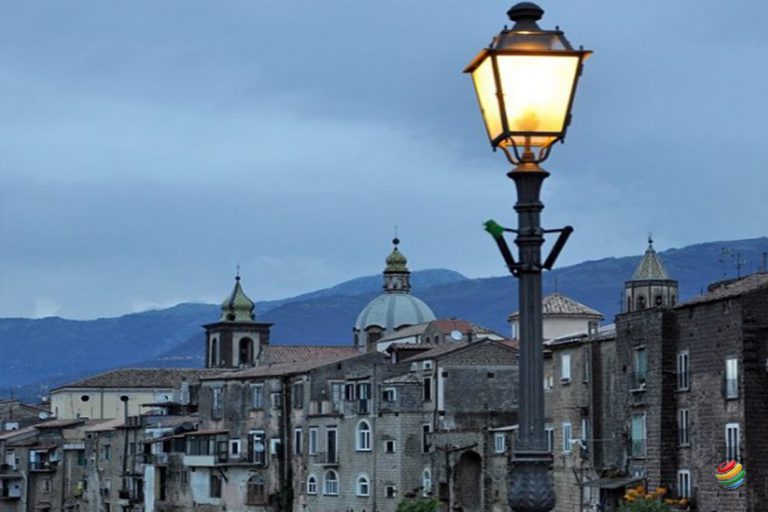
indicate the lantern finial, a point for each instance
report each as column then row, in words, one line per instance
column 525, row 14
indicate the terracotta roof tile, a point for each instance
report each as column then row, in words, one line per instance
column 275, row 354
column 557, row 304
column 141, row 378
column 732, row 288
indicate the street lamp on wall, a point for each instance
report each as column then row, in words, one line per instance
column 525, row 82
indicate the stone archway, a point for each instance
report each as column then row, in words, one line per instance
column 467, row 482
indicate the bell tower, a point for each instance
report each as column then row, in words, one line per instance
column 650, row 286
column 236, row 340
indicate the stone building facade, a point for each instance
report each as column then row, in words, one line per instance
column 662, row 397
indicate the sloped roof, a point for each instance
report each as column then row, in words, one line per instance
column 275, row 354
column 278, row 369
column 405, row 332
column 730, row 289
column 650, row 267
column 450, row 347
column 408, row 378
column 557, row 304
column 141, row 378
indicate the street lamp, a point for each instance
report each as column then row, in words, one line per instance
column 525, row 82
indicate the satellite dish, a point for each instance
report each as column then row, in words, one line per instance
column 43, row 415
column 456, row 335
column 258, row 447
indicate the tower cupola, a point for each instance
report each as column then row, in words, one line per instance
column 237, row 307
column 650, row 286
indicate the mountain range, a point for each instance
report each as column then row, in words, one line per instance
column 46, row 352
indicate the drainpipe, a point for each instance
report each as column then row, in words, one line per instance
column 285, row 463
column 374, row 407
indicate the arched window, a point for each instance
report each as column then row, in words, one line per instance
column 363, row 487
column 246, row 351
column 658, row 300
column 255, row 491
column 331, row 483
column 363, row 437
column 641, row 302
column 312, row 484
column 214, row 353
column 426, row 482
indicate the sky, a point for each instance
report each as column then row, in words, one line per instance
column 147, row 148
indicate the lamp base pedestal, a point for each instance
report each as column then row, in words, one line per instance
column 530, row 482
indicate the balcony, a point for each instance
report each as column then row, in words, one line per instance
column 42, row 466
column 327, row 459
column 637, row 383
column 10, row 490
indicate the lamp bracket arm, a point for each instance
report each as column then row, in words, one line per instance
column 559, row 244
column 497, row 232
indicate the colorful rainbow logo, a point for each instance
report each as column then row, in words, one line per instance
column 730, row 474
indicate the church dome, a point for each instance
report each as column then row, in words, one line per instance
column 393, row 310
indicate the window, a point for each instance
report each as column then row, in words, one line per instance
column 214, row 353
column 426, row 482
column 298, row 395
column 499, row 443
column 297, row 441
column 337, row 395
column 584, row 429
column 258, row 447
column 107, row 452
column 684, row 483
column 565, row 368
column 389, row 446
column 426, row 429
column 732, row 441
column 363, row 487
column 638, row 435
column 427, row 389
column 215, row 486
column 331, row 483
column 276, row 398
column 731, row 378
column 257, row 396
column 389, row 395
column 313, row 441
column 549, row 432
column 641, row 368
column 390, row 491
column 549, row 383
column 683, row 376
column 255, row 491
column 275, row 445
column 349, row 391
column 363, row 395
column 363, row 437
column 682, row 427
column 200, row 445
column 312, row 484
column 217, row 405
column 246, row 351
column 234, row 448
column 331, row 444
column 567, row 436
column 426, row 365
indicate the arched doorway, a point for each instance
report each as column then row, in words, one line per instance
column 467, row 482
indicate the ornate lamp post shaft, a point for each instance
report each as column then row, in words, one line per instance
column 530, row 483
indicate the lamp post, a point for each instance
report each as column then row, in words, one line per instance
column 525, row 82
